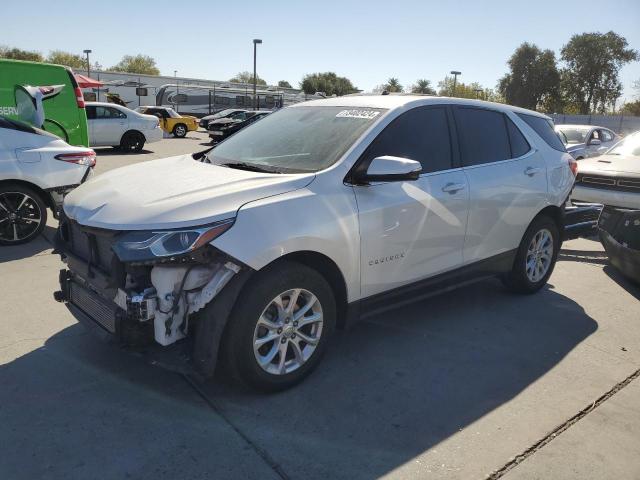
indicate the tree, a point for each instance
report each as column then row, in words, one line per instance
column 284, row 84
column 65, row 58
column 393, row 85
column 17, row 54
column 423, row 86
column 143, row 64
column 632, row 108
column 328, row 83
column 533, row 79
column 471, row 90
column 247, row 77
column 591, row 77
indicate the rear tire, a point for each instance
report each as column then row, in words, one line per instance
column 269, row 346
column 23, row 214
column 180, row 130
column 536, row 257
column 132, row 142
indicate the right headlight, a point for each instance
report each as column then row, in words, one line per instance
column 139, row 246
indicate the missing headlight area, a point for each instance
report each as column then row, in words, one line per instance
column 145, row 302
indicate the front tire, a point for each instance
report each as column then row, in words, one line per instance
column 23, row 214
column 536, row 257
column 279, row 327
column 180, row 130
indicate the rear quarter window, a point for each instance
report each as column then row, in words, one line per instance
column 544, row 128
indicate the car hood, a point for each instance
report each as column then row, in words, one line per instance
column 629, row 165
column 173, row 192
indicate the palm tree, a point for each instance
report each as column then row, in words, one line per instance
column 423, row 86
column 393, row 85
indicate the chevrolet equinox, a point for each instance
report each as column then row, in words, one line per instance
column 326, row 211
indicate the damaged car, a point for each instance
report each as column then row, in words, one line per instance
column 253, row 252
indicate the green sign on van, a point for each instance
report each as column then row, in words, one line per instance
column 46, row 96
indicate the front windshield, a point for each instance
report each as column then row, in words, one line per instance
column 629, row 146
column 220, row 114
column 296, row 139
column 172, row 113
column 572, row 135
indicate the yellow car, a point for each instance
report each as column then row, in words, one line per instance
column 171, row 121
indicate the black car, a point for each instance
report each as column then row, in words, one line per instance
column 237, row 113
column 224, row 127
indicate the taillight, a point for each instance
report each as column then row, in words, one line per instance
column 573, row 165
column 80, row 158
column 79, row 97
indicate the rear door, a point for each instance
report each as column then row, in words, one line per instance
column 507, row 181
column 108, row 126
column 412, row 230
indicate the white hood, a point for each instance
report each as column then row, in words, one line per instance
column 173, row 192
column 623, row 164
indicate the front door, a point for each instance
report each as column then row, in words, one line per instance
column 412, row 230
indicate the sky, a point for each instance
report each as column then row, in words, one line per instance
column 366, row 41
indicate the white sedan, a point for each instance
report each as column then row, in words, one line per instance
column 117, row 126
column 584, row 141
column 36, row 170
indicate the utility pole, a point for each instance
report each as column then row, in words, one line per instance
column 175, row 78
column 87, row 52
column 455, row 78
column 256, row 41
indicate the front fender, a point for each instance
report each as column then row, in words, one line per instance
column 301, row 220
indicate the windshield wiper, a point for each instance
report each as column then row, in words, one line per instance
column 251, row 167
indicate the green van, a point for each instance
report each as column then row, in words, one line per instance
column 46, row 96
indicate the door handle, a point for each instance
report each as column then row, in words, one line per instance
column 453, row 187
column 531, row 171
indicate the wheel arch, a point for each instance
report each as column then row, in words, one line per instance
column 331, row 273
column 554, row 212
column 46, row 196
column 130, row 131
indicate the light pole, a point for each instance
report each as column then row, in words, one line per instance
column 87, row 52
column 478, row 92
column 256, row 41
column 175, row 78
column 455, row 78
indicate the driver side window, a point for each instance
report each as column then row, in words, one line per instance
column 421, row 134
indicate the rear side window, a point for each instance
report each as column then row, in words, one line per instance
column 483, row 136
column 519, row 144
column 421, row 134
column 544, row 128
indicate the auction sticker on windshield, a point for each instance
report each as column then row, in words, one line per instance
column 368, row 114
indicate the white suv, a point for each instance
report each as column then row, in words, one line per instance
column 319, row 214
column 117, row 126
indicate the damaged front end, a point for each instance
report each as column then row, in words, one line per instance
column 148, row 289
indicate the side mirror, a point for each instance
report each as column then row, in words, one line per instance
column 391, row 169
column 595, row 141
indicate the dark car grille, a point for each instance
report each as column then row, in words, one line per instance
column 91, row 245
column 621, row 184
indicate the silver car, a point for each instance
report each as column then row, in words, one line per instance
column 612, row 179
column 584, row 141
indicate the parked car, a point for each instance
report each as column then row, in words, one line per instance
column 171, row 121
column 46, row 96
column 117, row 126
column 318, row 214
column 612, row 179
column 584, row 141
column 37, row 169
column 619, row 232
column 227, row 113
column 225, row 127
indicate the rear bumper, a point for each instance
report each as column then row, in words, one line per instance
column 153, row 135
column 606, row 197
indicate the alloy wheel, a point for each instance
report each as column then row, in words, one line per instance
column 20, row 216
column 288, row 331
column 539, row 255
column 181, row 131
